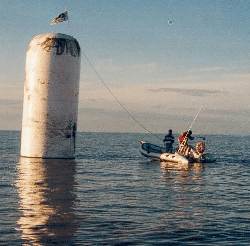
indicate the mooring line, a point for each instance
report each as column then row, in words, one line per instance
column 116, row 99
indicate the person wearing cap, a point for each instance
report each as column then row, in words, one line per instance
column 168, row 141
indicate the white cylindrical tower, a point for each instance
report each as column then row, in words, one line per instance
column 50, row 103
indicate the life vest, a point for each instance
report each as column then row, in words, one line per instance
column 182, row 137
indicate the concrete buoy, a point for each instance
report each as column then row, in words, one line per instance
column 50, row 104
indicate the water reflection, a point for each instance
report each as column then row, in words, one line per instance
column 185, row 184
column 193, row 170
column 47, row 200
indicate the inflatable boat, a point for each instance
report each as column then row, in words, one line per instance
column 151, row 151
column 156, row 152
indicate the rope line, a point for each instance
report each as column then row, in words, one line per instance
column 190, row 127
column 115, row 98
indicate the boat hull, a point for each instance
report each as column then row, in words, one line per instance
column 174, row 157
column 150, row 150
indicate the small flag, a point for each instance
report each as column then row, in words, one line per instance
column 60, row 18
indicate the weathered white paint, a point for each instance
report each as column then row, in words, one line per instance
column 50, row 104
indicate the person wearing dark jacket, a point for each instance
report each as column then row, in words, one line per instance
column 169, row 140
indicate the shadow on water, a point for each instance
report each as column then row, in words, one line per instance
column 46, row 201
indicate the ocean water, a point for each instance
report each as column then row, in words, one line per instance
column 111, row 195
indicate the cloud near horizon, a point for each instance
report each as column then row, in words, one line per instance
column 189, row 92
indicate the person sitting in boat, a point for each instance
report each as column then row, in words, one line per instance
column 184, row 148
column 196, row 154
column 168, row 141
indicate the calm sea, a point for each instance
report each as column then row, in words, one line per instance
column 111, row 195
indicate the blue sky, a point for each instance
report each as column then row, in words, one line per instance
column 162, row 72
